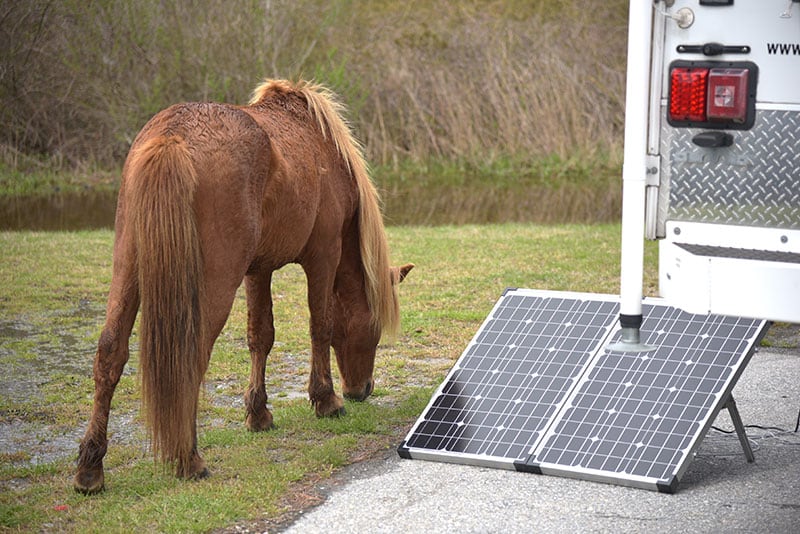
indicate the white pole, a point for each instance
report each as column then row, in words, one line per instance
column 634, row 169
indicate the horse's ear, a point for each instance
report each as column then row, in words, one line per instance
column 399, row 273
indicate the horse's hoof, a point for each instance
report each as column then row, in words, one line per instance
column 341, row 412
column 260, row 423
column 332, row 409
column 198, row 473
column 195, row 469
column 89, row 482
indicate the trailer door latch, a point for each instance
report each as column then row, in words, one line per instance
column 713, row 49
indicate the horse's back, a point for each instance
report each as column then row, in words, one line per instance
column 226, row 144
column 230, row 155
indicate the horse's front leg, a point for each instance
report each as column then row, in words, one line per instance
column 320, row 303
column 260, row 338
column 112, row 354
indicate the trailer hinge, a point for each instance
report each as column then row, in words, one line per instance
column 653, row 172
column 652, row 183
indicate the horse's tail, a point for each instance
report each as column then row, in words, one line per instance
column 381, row 292
column 159, row 190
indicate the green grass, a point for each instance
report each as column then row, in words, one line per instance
column 500, row 171
column 52, row 291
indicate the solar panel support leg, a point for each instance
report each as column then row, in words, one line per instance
column 739, row 427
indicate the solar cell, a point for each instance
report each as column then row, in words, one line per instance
column 537, row 389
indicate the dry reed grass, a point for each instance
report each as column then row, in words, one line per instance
column 489, row 86
column 470, row 80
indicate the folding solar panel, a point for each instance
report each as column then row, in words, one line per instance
column 507, row 385
column 537, row 389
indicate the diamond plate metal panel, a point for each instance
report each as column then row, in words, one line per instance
column 755, row 182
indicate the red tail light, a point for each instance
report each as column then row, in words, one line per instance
column 688, row 90
column 712, row 94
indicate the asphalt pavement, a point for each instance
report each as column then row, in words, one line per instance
column 720, row 491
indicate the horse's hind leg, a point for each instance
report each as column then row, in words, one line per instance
column 320, row 293
column 260, row 338
column 112, row 354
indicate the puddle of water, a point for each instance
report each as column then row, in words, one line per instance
column 82, row 210
column 94, row 209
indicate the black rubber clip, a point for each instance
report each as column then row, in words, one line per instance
column 713, row 139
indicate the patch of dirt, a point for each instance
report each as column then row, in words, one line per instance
column 32, row 358
column 27, row 440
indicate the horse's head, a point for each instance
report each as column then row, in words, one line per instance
column 355, row 338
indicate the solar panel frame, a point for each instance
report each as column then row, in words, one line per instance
column 467, row 417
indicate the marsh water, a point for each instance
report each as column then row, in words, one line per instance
column 80, row 210
column 408, row 205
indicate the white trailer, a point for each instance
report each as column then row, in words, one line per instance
column 712, row 157
column 623, row 389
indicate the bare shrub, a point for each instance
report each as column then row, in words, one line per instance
column 490, row 86
column 436, row 79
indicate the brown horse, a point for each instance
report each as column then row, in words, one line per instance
column 212, row 194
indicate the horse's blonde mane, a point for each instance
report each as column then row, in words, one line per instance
column 329, row 112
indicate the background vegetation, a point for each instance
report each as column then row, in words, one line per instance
column 524, row 95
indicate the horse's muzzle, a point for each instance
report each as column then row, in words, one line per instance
column 365, row 392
